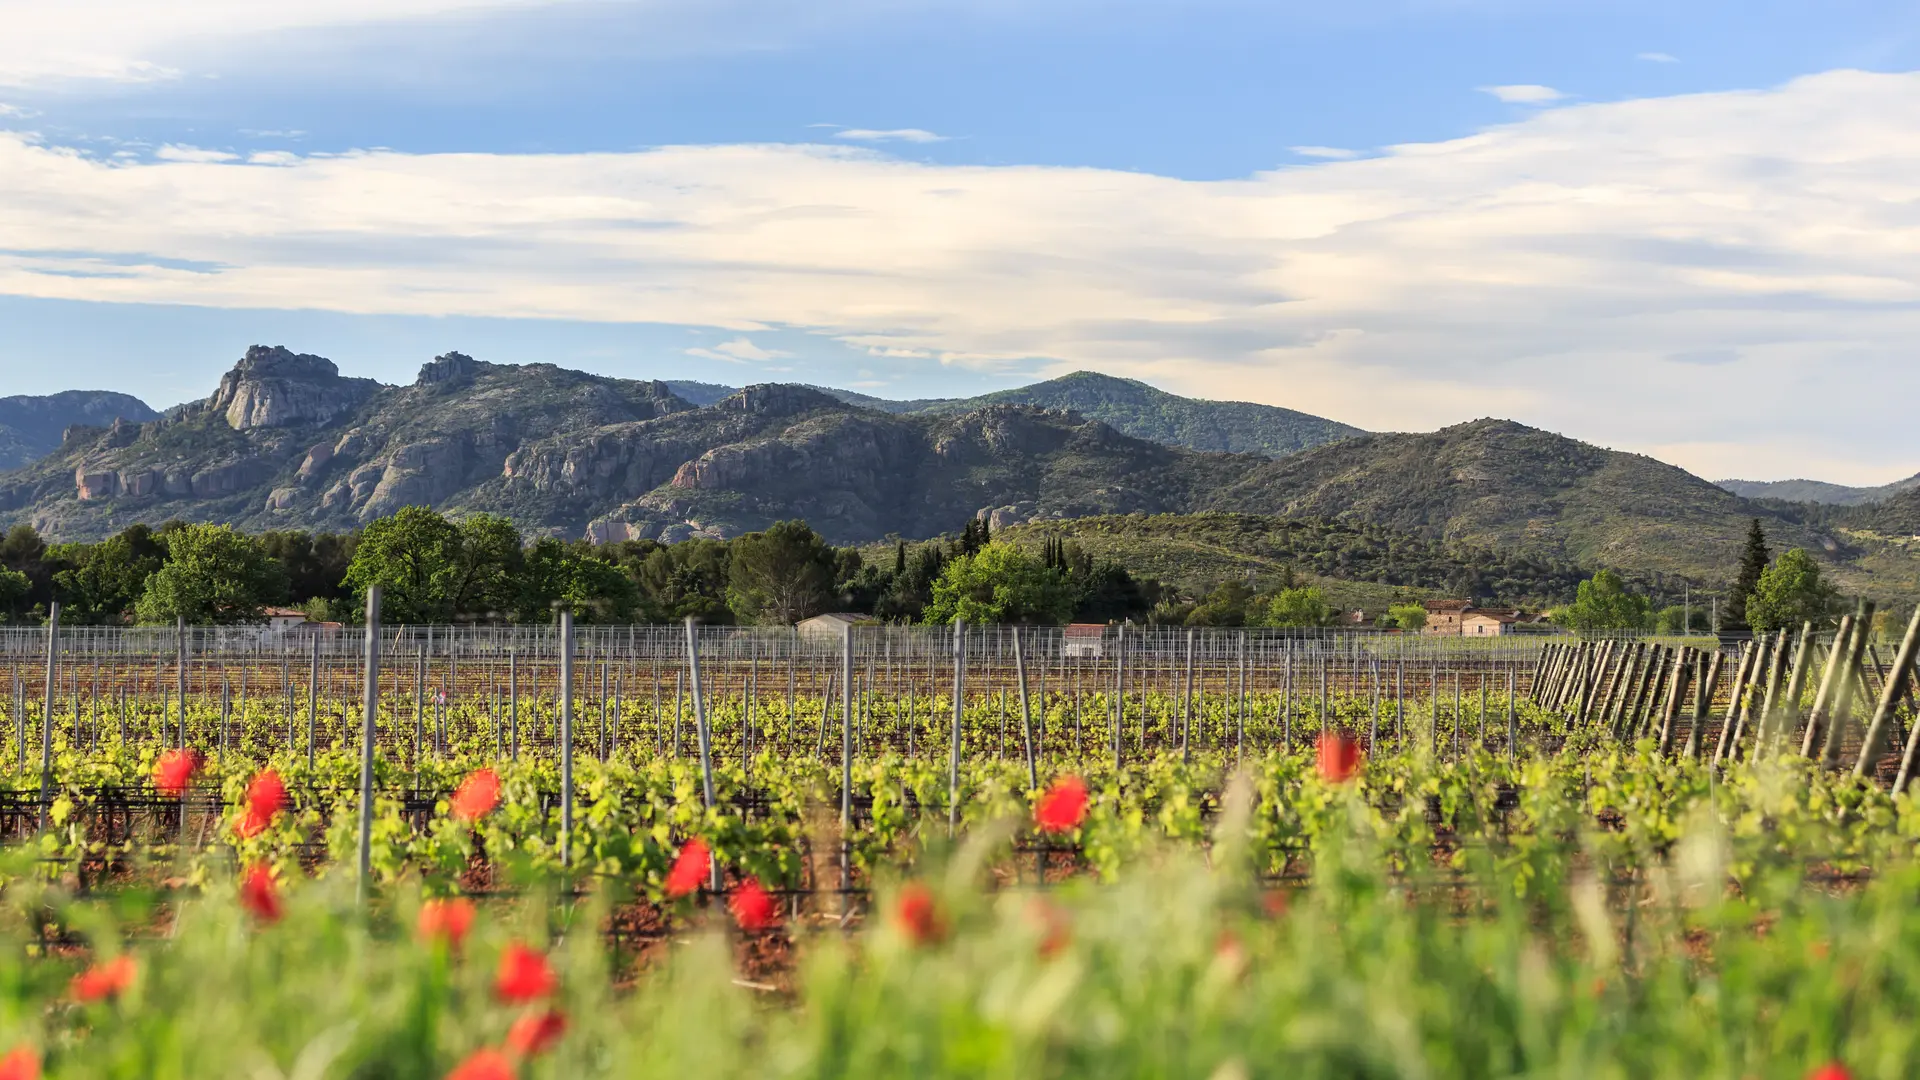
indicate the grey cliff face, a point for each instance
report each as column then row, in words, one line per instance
column 273, row 387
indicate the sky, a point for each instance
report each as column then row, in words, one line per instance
column 1689, row 229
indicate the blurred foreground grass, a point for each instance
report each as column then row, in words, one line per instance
column 1182, row 967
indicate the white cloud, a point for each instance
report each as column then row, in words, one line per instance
column 1328, row 153
column 912, row 135
column 1657, row 58
column 1524, row 94
column 739, row 351
column 172, row 152
column 122, row 40
column 1579, row 269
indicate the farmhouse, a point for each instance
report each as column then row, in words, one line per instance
column 1084, row 639
column 833, row 624
column 1488, row 623
column 1443, row 616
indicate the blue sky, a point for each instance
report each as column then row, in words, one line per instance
column 1235, row 199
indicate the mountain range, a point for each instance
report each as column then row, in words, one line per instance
column 285, row 441
column 1818, row 491
column 31, row 427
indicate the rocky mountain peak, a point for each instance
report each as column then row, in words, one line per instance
column 273, row 386
column 778, row 399
column 450, row 367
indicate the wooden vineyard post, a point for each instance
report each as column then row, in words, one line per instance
column 1676, row 693
column 1119, row 692
column 1400, row 703
column 180, row 649
column 1750, row 657
column 1590, row 692
column 702, row 730
column 1829, row 678
column 566, row 738
column 313, row 702
column 1186, row 703
column 1702, row 700
column 513, row 699
column 846, row 768
column 1891, row 692
column 1843, row 695
column 1787, row 716
column 959, row 707
column 1513, row 720
column 1026, row 710
column 46, row 709
column 419, row 705
column 1240, row 735
column 371, row 694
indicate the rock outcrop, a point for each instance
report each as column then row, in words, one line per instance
column 274, row 387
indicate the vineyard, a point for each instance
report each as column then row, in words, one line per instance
column 638, row 851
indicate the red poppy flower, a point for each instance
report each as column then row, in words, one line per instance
column 1339, row 757
column 1063, row 807
column 524, row 975
column 174, row 771
column 486, row 1064
column 476, row 796
column 104, row 980
column 446, row 920
column 1832, row 1070
column 266, row 796
column 20, row 1063
column 918, row 914
column 690, row 868
column 753, row 907
column 536, row 1032
column 259, row 895
column 1274, row 903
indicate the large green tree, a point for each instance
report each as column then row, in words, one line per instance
column 1000, row 584
column 1229, row 604
column 15, row 587
column 782, row 575
column 1300, row 607
column 432, row 570
column 212, row 574
column 101, row 583
column 575, row 576
column 684, row 579
column 1603, row 602
column 1790, row 592
column 1753, row 562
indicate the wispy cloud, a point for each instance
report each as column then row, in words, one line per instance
column 1524, row 94
column 1550, row 268
column 1329, row 153
column 912, row 135
column 1657, row 58
column 130, row 41
column 172, row 152
column 739, row 351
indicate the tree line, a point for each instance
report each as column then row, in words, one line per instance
column 1767, row 594
column 481, row 569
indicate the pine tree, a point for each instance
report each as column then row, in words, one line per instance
column 1753, row 563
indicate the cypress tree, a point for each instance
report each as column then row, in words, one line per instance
column 1753, row 563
